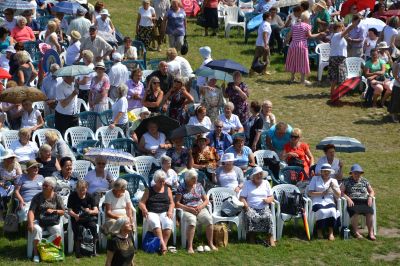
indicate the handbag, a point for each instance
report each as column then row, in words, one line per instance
column 185, row 46
column 201, row 20
column 151, row 243
column 49, row 251
column 85, row 217
column 87, row 244
column 291, row 203
column 294, row 161
column 48, row 219
column 220, row 235
column 231, row 207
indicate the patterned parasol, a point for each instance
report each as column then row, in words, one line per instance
column 113, row 157
column 20, row 93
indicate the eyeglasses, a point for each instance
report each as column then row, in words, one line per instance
column 45, row 185
column 34, row 167
column 294, row 137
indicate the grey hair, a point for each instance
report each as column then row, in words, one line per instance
column 122, row 91
column 230, row 105
column 120, row 184
column 21, row 18
column 82, row 183
column 190, row 174
column 45, row 147
column 54, row 67
column 51, row 181
column 165, row 158
column 159, row 174
column 22, row 57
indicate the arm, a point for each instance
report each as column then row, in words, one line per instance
column 137, row 23
column 371, row 194
column 157, row 103
column 108, row 212
column 66, row 101
column 252, row 161
column 243, row 199
column 21, row 78
column 189, row 98
column 19, row 197
column 40, row 123
column 269, row 144
column 109, row 258
column 396, row 72
column 58, row 167
column 171, row 204
column 129, row 211
column 142, row 203
column 34, row 72
column 265, row 37
column 142, row 148
column 56, row 44
column 310, row 156
column 31, row 218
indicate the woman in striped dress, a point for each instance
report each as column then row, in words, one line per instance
column 297, row 58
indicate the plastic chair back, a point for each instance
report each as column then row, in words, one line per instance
column 33, row 49
column 114, row 170
column 232, row 14
column 261, row 154
column 74, row 135
column 81, row 104
column 106, row 134
column 124, row 144
column 353, row 66
column 81, row 167
column 323, row 50
column 106, row 117
column 49, row 121
column 141, row 51
column 42, row 21
column 88, row 119
column 292, row 174
column 134, row 182
column 86, row 144
column 9, row 136
column 40, row 135
column 143, row 165
column 218, row 194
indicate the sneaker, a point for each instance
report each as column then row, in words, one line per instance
column 200, row 249
column 36, row 259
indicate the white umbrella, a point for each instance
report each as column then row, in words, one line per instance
column 368, row 23
column 16, row 4
column 284, row 3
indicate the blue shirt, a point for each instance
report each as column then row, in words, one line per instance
column 220, row 144
column 278, row 143
column 243, row 159
column 29, row 188
column 176, row 22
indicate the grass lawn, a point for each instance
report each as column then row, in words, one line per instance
column 303, row 107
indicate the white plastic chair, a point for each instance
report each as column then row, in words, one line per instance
column 142, row 166
column 173, row 230
column 7, row 137
column 218, row 194
column 38, row 106
column 39, row 135
column 106, row 134
column 282, row 217
column 221, row 13
column 42, row 35
column 346, row 217
column 75, row 135
column 114, row 170
column 81, row 167
column 323, row 50
column 354, row 68
column 261, row 154
column 232, row 19
column 145, row 74
column 79, row 104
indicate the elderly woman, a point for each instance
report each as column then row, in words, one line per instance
column 171, row 177
column 157, row 206
column 44, row 213
column 237, row 92
column 10, row 170
column 359, row 194
column 135, row 89
column 21, row 32
column 176, row 99
column 230, row 121
column 153, row 95
column 244, row 156
column 256, row 196
column 266, row 115
column 145, row 23
column 297, row 153
column 120, row 248
column 210, row 9
column 219, row 139
column 25, row 73
column 25, row 150
column 143, row 114
column 74, row 48
column 176, row 25
column 153, row 142
column 118, row 204
column 128, row 51
column 84, row 81
column 212, row 98
column 104, row 22
column 323, row 190
column 83, row 212
column 200, row 118
column 254, row 126
column 30, row 118
column 180, row 155
column 99, row 179
column 205, row 158
column 99, row 89
column 336, row 164
column 205, row 53
column 193, row 200
column 49, row 163
column 59, row 148
column 228, row 175
column 120, row 109
column 51, row 37
column 66, row 178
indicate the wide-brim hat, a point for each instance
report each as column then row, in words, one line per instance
column 104, row 12
column 144, row 110
column 76, row 35
column 356, row 168
column 31, row 163
column 100, row 65
column 228, row 157
column 257, row 170
column 321, row 4
column 382, row 45
column 10, row 49
column 327, row 167
column 8, row 154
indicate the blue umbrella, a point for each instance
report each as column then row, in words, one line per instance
column 342, row 144
column 217, row 74
column 66, row 7
column 16, row 4
column 112, row 156
column 73, row 71
column 227, row 65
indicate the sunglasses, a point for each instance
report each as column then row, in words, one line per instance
column 34, row 167
column 294, row 137
column 45, row 185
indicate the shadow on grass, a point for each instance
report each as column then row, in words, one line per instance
column 383, row 120
column 308, row 96
column 343, row 103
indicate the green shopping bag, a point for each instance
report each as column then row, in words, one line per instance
column 50, row 252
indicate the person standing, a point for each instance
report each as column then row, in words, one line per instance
column 176, row 25
column 66, row 95
column 262, row 47
column 118, row 75
column 210, row 10
column 161, row 7
column 355, row 38
column 145, row 23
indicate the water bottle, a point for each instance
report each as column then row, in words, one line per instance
column 346, row 233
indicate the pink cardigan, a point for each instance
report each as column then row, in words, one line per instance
column 23, row 35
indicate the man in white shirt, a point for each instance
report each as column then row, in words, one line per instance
column 66, row 96
column 185, row 70
column 262, row 48
column 80, row 23
column 49, row 85
column 117, row 75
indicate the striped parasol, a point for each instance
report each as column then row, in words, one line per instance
column 16, row 4
column 113, row 157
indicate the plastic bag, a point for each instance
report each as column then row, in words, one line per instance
column 51, row 251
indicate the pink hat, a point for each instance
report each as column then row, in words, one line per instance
column 44, row 47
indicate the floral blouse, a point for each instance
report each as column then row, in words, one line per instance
column 98, row 87
column 241, row 106
column 178, row 159
column 208, row 157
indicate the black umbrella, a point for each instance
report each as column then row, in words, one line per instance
column 187, row 130
column 227, row 66
column 342, row 144
column 165, row 124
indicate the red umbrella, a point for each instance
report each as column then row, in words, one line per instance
column 4, row 74
column 342, row 89
column 361, row 5
column 305, row 222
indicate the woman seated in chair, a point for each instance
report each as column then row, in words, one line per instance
column 66, row 178
column 25, row 72
column 230, row 121
column 143, row 114
column 157, row 206
column 205, row 158
column 323, row 190
column 120, row 109
column 153, row 95
column 49, row 163
column 83, row 212
column 59, row 148
column 99, row 179
column 153, row 142
column 336, row 164
column 30, row 118
column 244, row 157
column 359, row 196
column 24, row 148
column 44, row 213
column 212, row 98
column 180, row 155
column 229, row 175
column 297, row 153
column 128, row 51
column 10, row 171
column 171, row 180
column 118, row 204
column 193, row 200
column 200, row 118
column 256, row 196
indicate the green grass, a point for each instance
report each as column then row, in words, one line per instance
column 303, row 107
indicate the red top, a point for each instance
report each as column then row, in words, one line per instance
column 301, row 151
column 23, row 35
column 211, row 3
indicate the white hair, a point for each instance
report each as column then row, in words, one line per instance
column 190, row 174
column 230, row 105
column 159, row 174
column 51, row 181
column 120, row 183
column 165, row 158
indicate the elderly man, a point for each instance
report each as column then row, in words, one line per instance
column 118, row 75
column 80, row 23
column 97, row 45
column 185, row 70
column 218, row 139
column 355, row 39
column 277, row 136
column 166, row 79
column 65, row 112
column 49, row 85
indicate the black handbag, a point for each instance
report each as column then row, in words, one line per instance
column 294, row 161
column 291, row 203
column 201, row 20
column 48, row 219
column 85, row 217
column 185, row 46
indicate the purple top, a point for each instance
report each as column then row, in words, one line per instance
column 134, row 88
column 357, row 33
column 176, row 22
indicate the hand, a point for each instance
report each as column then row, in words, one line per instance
column 267, row 200
column 293, row 154
column 350, row 203
column 75, row 92
column 76, row 217
column 164, row 108
column 370, row 201
column 254, row 147
column 237, row 189
column 99, row 58
column 30, row 227
column 169, row 214
column 111, row 126
column 193, row 210
column 49, row 211
column 21, row 205
column 145, row 213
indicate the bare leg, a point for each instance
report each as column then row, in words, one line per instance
column 159, row 234
column 35, row 251
column 166, row 233
column 333, row 86
column 190, row 235
column 370, row 221
column 270, row 240
column 385, row 96
column 330, row 234
column 292, row 77
column 377, row 92
column 354, row 225
column 209, row 234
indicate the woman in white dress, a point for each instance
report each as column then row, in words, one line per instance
column 104, row 22
column 153, row 142
column 323, row 190
column 336, row 163
column 228, row 175
column 51, row 37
